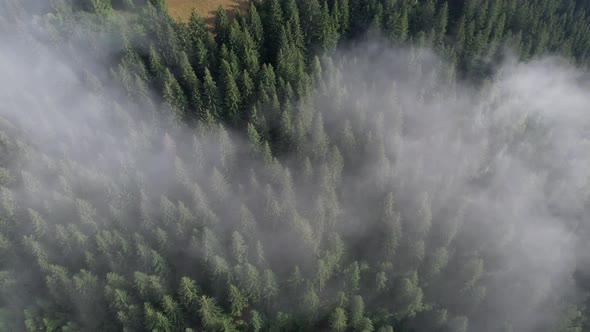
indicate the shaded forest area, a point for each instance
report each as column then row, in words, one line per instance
column 345, row 165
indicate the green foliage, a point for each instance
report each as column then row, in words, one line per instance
column 222, row 26
column 210, row 313
column 338, row 320
column 165, row 228
column 237, row 300
column 231, row 93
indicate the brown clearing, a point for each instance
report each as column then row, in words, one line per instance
column 205, row 8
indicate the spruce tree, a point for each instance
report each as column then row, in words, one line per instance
column 222, row 28
column 231, row 93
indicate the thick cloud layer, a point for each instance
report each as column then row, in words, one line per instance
column 507, row 161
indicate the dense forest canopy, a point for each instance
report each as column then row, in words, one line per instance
column 345, row 165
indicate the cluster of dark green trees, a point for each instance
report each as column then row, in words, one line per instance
column 217, row 193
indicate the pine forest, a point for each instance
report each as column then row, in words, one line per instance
column 301, row 165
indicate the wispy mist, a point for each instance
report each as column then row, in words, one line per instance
column 505, row 163
column 481, row 188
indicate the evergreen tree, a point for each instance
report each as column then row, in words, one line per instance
column 210, row 94
column 237, row 300
column 343, row 18
column 222, row 27
column 190, row 82
column 329, row 33
column 391, row 228
column 273, row 29
column 255, row 26
column 231, row 93
column 338, row 320
column 174, row 96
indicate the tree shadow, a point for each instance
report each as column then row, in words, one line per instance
column 231, row 9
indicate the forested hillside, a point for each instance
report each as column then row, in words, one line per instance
column 311, row 165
